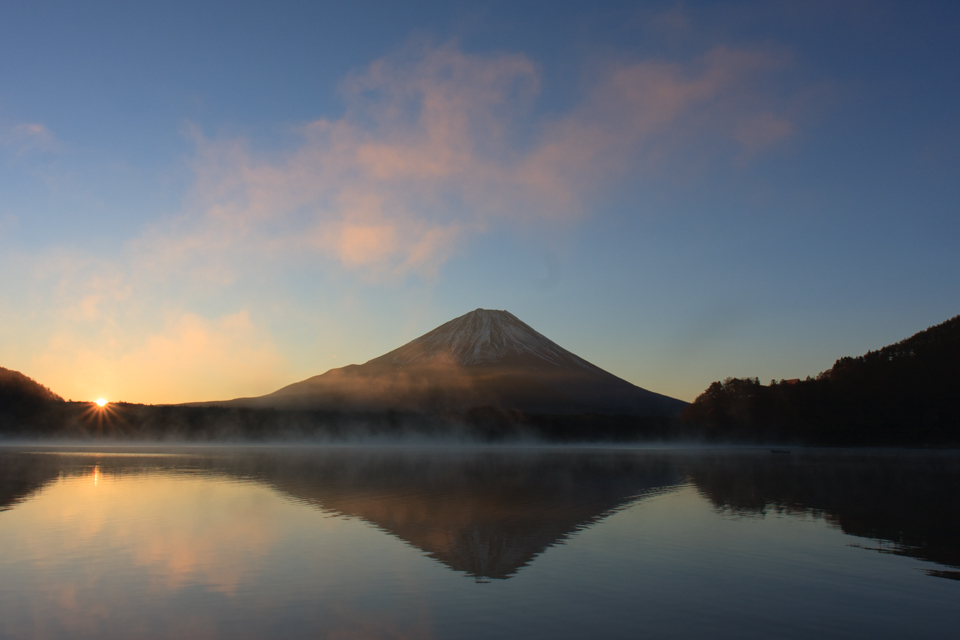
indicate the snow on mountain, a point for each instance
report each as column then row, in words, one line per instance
column 484, row 336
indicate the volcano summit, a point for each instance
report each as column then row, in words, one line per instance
column 485, row 358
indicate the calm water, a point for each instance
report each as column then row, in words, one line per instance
column 380, row 543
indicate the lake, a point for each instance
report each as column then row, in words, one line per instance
column 404, row 542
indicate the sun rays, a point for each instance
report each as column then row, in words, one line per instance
column 103, row 417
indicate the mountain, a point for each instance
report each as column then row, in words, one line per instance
column 485, row 358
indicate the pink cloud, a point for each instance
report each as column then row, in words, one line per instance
column 425, row 154
column 365, row 244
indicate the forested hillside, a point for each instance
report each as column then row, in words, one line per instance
column 23, row 401
column 907, row 393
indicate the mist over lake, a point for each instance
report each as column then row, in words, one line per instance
column 434, row 542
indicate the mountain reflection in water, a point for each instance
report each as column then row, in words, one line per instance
column 489, row 513
column 486, row 514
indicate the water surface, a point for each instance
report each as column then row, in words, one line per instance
column 434, row 543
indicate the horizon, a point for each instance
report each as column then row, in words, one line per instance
column 205, row 203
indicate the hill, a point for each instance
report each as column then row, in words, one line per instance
column 906, row 393
column 23, row 401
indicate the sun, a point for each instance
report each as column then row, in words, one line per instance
column 101, row 402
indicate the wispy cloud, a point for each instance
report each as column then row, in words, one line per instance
column 437, row 144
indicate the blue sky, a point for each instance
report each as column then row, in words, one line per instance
column 210, row 200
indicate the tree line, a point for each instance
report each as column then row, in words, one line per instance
column 905, row 394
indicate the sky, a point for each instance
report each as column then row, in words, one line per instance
column 209, row 200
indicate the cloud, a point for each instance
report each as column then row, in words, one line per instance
column 27, row 137
column 437, row 144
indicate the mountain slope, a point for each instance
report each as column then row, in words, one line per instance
column 483, row 358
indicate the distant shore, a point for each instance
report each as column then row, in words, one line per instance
column 137, row 423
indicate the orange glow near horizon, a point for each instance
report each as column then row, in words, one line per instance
column 100, row 402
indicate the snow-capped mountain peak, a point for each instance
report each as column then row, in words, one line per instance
column 483, row 359
column 483, row 336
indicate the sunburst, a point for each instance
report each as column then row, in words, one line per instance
column 103, row 417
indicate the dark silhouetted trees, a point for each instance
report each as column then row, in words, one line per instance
column 907, row 393
column 23, row 401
